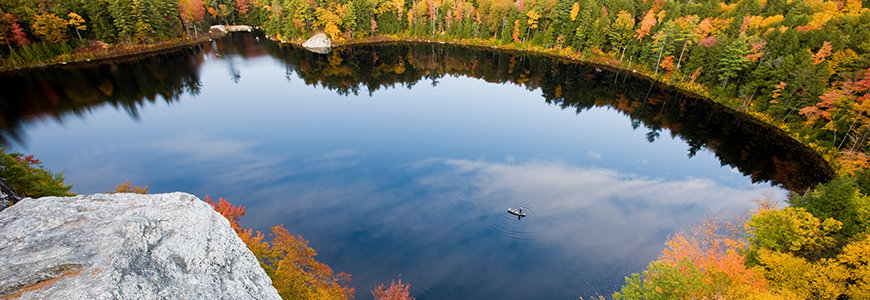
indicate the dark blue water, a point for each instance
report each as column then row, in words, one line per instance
column 406, row 163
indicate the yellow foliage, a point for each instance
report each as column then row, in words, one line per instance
column 533, row 18
column 290, row 263
column 127, row 187
column 855, row 262
column 727, row 8
column 77, row 21
column 288, row 260
column 575, row 9
column 840, row 57
column 853, row 7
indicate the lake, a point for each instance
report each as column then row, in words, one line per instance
column 403, row 158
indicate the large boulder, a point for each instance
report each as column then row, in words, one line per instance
column 125, row 246
column 319, row 43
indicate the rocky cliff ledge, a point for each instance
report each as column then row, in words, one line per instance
column 125, row 246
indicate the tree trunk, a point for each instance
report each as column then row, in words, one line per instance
column 681, row 54
column 623, row 50
column 860, row 140
column 659, row 60
column 623, row 53
column 79, row 34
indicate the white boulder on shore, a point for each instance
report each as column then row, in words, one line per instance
column 125, row 246
column 319, row 43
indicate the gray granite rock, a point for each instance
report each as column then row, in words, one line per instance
column 125, row 246
column 319, row 43
column 7, row 195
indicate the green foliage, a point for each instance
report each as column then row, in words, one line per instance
column 790, row 230
column 733, row 60
column 662, row 281
column 862, row 179
column 798, row 255
column 840, row 199
column 28, row 178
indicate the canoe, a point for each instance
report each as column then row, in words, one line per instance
column 516, row 212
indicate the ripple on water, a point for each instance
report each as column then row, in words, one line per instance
column 511, row 226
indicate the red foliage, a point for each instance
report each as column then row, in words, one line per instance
column 6, row 22
column 863, row 86
column 233, row 213
column 28, row 159
column 18, row 35
column 708, row 41
column 396, row 291
column 191, row 11
column 242, row 6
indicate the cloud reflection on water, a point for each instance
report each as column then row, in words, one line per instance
column 442, row 222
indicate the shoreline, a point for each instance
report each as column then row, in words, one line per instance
column 599, row 61
column 114, row 53
column 611, row 64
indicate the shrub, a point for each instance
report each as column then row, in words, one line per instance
column 28, row 178
column 396, row 291
column 288, row 260
column 128, row 187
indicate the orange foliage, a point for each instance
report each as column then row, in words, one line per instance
column 777, row 92
column 649, row 20
column 396, row 291
column 823, row 52
column 705, row 263
column 695, row 74
column 715, row 247
column 288, row 260
column 668, row 63
column 290, row 263
column 231, row 212
column 128, row 187
column 516, row 34
column 850, row 162
column 757, row 50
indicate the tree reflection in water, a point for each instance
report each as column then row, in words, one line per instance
column 762, row 152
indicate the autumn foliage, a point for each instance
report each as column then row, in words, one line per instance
column 817, row 248
column 232, row 212
column 26, row 175
column 396, row 291
column 288, row 260
column 128, row 187
column 704, row 263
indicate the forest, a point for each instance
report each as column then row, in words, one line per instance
column 800, row 65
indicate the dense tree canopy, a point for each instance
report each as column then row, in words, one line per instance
column 802, row 64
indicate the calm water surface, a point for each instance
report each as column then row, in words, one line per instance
column 402, row 159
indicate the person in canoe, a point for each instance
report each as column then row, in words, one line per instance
column 517, row 212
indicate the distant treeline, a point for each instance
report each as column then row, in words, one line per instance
column 801, row 64
column 752, row 147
